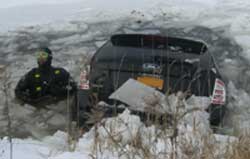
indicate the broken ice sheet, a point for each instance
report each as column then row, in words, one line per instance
column 140, row 97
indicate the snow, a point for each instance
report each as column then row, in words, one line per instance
column 12, row 3
column 102, row 142
column 32, row 12
column 74, row 29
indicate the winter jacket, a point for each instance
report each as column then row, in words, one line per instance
column 40, row 83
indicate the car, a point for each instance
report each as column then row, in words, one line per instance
column 168, row 64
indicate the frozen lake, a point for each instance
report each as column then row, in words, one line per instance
column 74, row 30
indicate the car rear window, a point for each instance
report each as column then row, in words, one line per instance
column 159, row 42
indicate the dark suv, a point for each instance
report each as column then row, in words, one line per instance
column 168, row 64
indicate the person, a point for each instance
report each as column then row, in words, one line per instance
column 45, row 83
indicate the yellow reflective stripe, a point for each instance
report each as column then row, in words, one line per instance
column 38, row 88
column 57, row 72
column 37, row 75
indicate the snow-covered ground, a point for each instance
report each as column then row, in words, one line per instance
column 75, row 29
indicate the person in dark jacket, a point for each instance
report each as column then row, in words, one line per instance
column 46, row 82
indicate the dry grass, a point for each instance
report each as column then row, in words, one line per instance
column 239, row 149
column 174, row 144
column 184, row 149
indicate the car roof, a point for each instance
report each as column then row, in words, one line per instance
column 159, row 42
column 133, row 46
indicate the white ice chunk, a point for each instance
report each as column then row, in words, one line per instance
column 57, row 120
column 192, row 60
column 139, row 96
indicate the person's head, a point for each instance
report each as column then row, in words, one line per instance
column 44, row 57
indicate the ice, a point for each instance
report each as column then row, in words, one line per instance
column 21, row 112
column 242, row 39
column 32, row 14
column 226, row 19
column 149, row 31
column 238, row 110
column 98, row 44
column 71, row 155
column 139, row 96
column 24, row 149
column 57, row 120
column 57, row 142
column 63, row 28
column 68, row 40
column 12, row 3
column 124, row 128
column 240, row 24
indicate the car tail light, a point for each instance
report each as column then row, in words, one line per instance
column 84, row 81
column 219, row 93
